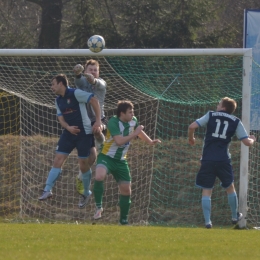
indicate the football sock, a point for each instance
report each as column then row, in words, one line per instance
column 98, row 193
column 80, row 175
column 52, row 177
column 124, row 204
column 86, row 179
column 206, row 207
column 233, row 203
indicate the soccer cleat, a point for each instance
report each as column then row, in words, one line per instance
column 124, row 222
column 79, row 186
column 45, row 195
column 208, row 226
column 83, row 200
column 97, row 214
column 239, row 217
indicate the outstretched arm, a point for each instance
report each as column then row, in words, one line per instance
column 97, row 83
column 147, row 139
column 191, row 131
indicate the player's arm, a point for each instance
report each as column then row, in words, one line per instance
column 243, row 136
column 249, row 141
column 100, row 84
column 121, row 140
column 143, row 136
column 96, row 107
column 97, row 83
column 192, row 127
column 72, row 129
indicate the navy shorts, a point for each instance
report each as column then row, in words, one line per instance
column 208, row 172
column 82, row 142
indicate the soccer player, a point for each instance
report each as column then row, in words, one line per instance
column 121, row 129
column 77, row 133
column 90, row 81
column 216, row 159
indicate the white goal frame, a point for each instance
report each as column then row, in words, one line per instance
column 246, row 91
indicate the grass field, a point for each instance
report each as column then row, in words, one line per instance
column 71, row 241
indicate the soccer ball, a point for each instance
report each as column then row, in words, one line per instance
column 96, row 43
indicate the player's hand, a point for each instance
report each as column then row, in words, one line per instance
column 97, row 127
column 90, row 78
column 155, row 141
column 138, row 129
column 192, row 141
column 252, row 137
column 73, row 130
column 78, row 69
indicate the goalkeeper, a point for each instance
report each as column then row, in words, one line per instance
column 121, row 129
column 88, row 79
column 216, row 160
column 77, row 133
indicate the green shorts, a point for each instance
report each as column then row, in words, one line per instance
column 118, row 168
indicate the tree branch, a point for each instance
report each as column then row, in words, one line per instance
column 38, row 2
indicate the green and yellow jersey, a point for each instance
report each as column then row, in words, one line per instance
column 116, row 127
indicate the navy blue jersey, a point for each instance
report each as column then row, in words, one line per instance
column 73, row 108
column 221, row 127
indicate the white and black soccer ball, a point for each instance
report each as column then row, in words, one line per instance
column 96, row 43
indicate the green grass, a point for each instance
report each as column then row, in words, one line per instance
column 71, row 241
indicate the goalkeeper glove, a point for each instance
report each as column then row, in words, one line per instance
column 78, row 69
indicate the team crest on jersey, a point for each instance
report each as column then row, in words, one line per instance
column 68, row 101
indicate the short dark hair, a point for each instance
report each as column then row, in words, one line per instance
column 122, row 106
column 229, row 104
column 91, row 62
column 61, row 78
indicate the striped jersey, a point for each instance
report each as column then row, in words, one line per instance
column 116, row 127
column 221, row 127
column 73, row 108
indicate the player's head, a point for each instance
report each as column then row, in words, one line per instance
column 229, row 105
column 59, row 84
column 125, row 110
column 92, row 67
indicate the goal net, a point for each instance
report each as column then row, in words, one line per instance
column 169, row 88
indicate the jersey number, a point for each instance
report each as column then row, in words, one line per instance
column 223, row 135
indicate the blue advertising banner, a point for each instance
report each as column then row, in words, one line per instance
column 252, row 40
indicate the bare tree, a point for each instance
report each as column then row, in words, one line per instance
column 50, row 23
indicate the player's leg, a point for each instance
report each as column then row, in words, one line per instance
column 79, row 178
column 226, row 177
column 104, row 163
column 205, row 179
column 124, row 201
column 64, row 148
column 123, row 178
column 206, row 206
column 100, row 174
column 84, row 147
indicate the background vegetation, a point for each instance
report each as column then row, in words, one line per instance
column 123, row 24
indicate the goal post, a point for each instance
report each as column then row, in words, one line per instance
column 170, row 88
column 244, row 160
